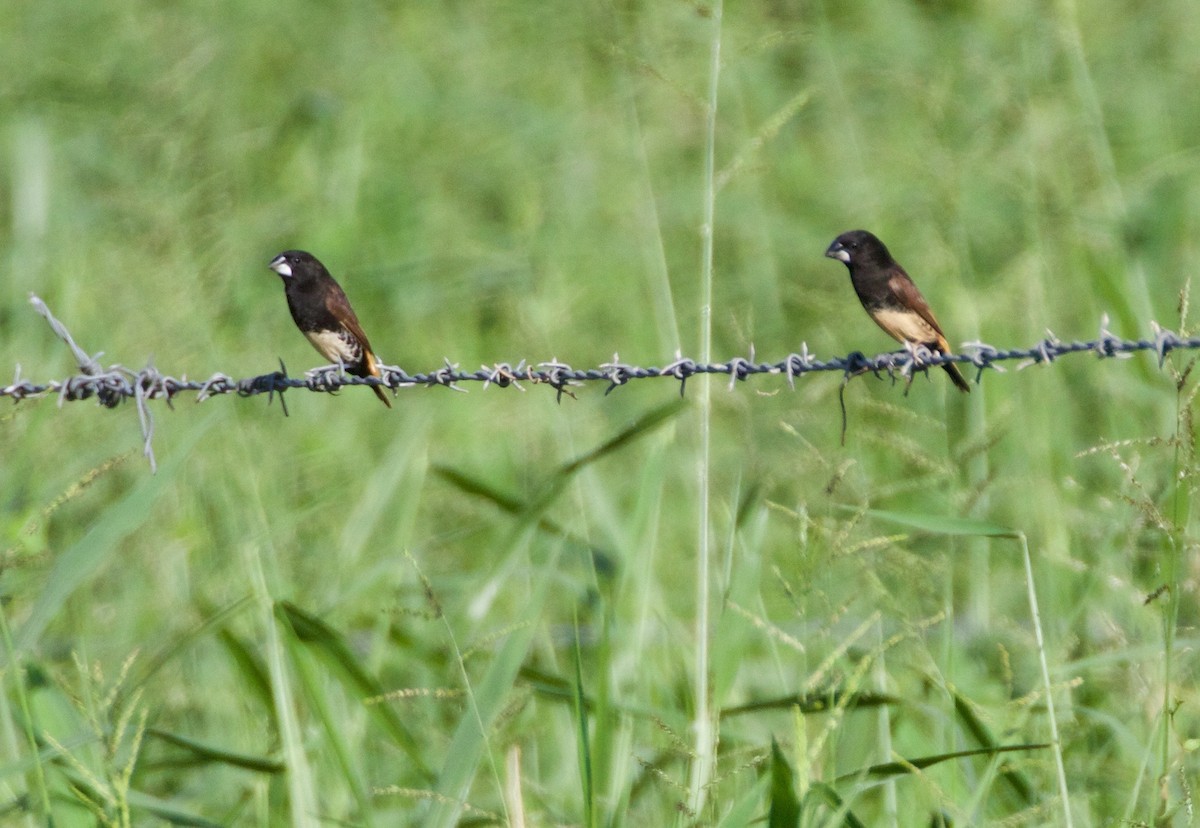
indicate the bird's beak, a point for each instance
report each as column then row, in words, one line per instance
column 280, row 266
column 836, row 251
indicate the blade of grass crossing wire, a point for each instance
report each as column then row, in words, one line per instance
column 486, row 698
column 103, row 541
column 584, row 742
column 703, row 726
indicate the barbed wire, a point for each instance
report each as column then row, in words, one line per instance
column 115, row 383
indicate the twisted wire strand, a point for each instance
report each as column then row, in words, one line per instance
column 112, row 384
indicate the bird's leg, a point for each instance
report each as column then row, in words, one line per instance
column 322, row 372
column 330, row 377
column 919, row 355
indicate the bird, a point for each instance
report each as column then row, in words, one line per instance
column 323, row 314
column 890, row 297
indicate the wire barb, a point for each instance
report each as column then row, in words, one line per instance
column 114, row 384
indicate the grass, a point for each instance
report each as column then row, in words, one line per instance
column 491, row 609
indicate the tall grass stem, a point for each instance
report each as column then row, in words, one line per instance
column 1059, row 768
column 702, row 767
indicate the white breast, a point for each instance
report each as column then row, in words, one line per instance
column 336, row 346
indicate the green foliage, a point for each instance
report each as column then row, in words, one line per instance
column 481, row 608
column 785, row 807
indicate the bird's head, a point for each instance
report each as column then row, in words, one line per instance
column 858, row 247
column 291, row 264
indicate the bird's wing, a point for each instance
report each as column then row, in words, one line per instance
column 338, row 305
column 905, row 290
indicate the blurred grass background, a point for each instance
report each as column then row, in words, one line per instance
column 356, row 616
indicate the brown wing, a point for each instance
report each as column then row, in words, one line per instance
column 920, row 325
column 339, row 306
column 905, row 290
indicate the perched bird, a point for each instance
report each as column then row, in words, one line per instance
column 890, row 297
column 323, row 314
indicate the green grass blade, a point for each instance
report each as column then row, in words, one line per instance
column 584, row 743
column 170, row 814
column 745, row 809
column 785, row 807
column 943, row 525
column 315, row 694
column 487, row 699
column 908, row 766
column 823, row 792
column 983, row 735
column 213, row 621
column 80, row 562
column 203, row 753
column 252, row 669
column 813, row 702
column 601, row 558
column 640, row 427
column 704, row 725
column 331, row 648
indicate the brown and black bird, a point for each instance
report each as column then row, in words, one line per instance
column 888, row 294
column 323, row 314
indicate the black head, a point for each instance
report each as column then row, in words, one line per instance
column 858, row 247
column 297, row 265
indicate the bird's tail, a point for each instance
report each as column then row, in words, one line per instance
column 382, row 396
column 373, row 371
column 951, row 369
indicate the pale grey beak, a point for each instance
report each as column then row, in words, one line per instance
column 836, row 251
column 280, row 266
